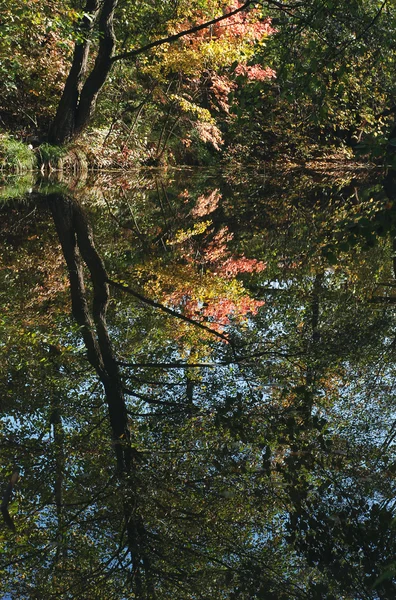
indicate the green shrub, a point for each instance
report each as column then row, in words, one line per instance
column 51, row 155
column 15, row 156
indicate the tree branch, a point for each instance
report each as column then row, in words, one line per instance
column 173, row 38
column 360, row 35
column 150, row 400
column 171, row 365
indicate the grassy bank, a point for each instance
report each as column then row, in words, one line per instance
column 16, row 157
column 95, row 152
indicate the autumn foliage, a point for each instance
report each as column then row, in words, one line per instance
column 205, row 283
column 195, row 76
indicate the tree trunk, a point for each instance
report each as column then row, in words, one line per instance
column 63, row 126
column 78, row 100
column 102, row 67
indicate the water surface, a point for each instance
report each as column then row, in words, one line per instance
column 197, row 387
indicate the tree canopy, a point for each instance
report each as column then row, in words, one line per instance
column 185, row 80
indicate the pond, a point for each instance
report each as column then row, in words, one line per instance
column 197, row 387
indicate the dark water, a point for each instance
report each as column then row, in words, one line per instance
column 197, row 388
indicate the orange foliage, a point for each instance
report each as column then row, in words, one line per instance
column 206, row 204
column 255, row 72
column 245, row 25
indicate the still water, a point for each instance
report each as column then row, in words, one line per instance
column 197, row 387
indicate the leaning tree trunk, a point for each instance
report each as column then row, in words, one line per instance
column 63, row 126
column 78, row 100
column 102, row 67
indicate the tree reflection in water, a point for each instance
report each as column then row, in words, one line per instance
column 215, row 415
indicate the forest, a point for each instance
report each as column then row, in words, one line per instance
column 197, row 83
column 198, row 300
